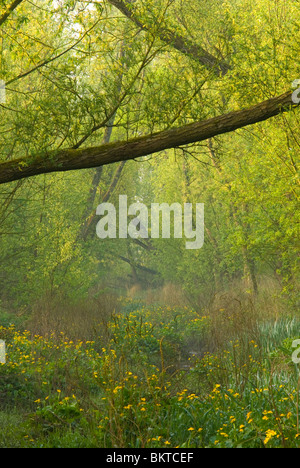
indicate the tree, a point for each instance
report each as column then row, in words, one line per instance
column 67, row 160
column 197, row 91
column 77, row 158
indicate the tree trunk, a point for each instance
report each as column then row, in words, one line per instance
column 249, row 271
column 71, row 159
column 172, row 38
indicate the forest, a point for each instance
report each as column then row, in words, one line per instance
column 149, row 224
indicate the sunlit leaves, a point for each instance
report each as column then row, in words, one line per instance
column 72, row 68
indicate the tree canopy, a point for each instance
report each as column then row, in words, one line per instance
column 164, row 100
column 129, row 68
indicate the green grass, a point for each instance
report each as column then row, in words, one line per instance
column 10, row 433
column 153, row 379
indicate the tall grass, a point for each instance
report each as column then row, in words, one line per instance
column 273, row 333
column 111, row 373
column 82, row 320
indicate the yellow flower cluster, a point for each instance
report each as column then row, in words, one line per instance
column 269, row 435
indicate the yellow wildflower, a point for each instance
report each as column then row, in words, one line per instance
column 269, row 434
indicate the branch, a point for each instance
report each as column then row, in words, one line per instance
column 71, row 159
column 182, row 44
column 48, row 61
column 9, row 11
column 140, row 267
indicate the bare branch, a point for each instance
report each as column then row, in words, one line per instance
column 52, row 59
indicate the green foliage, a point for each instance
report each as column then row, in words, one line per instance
column 74, row 71
column 106, row 394
column 74, row 68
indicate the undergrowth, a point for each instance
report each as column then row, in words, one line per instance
column 153, row 378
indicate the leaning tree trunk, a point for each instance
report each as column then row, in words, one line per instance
column 74, row 159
